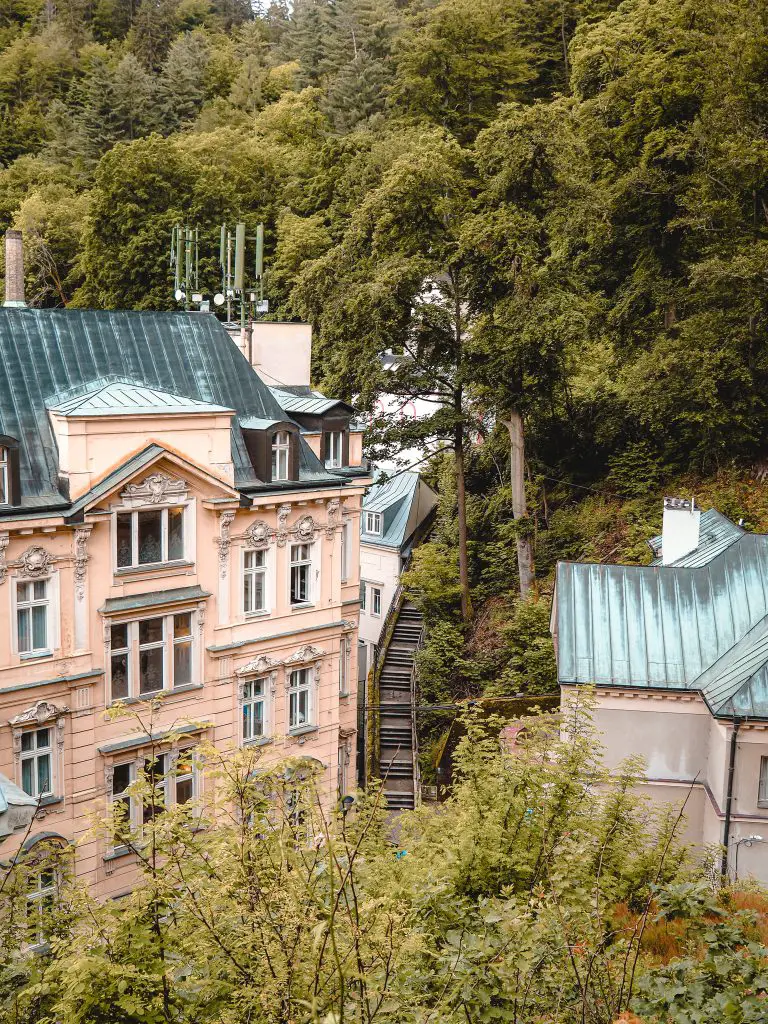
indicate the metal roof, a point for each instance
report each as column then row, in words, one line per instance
column 12, row 795
column 702, row 627
column 45, row 353
column 153, row 599
column 310, row 402
column 716, row 533
column 394, row 500
column 119, row 396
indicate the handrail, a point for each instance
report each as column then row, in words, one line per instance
column 414, row 732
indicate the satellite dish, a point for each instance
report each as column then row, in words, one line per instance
column 178, row 294
column 218, row 299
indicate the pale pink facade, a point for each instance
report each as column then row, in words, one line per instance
column 273, row 671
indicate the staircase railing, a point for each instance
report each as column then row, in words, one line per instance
column 414, row 730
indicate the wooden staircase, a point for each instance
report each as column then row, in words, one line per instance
column 397, row 760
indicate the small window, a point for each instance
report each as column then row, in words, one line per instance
column 334, row 449
column 151, row 537
column 4, row 476
column 344, row 668
column 37, row 763
column 301, row 565
column 151, row 656
column 33, row 617
column 300, row 699
column 123, row 803
column 341, row 772
column 375, row 600
column 362, row 595
column 254, row 710
column 254, row 582
column 182, row 649
column 762, row 792
column 281, row 449
column 344, row 552
column 373, row 523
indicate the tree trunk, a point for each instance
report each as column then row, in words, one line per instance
column 461, row 495
column 514, row 424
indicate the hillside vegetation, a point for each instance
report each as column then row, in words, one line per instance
column 558, row 211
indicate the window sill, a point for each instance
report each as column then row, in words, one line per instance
column 51, row 801
column 117, row 852
column 152, row 569
column 261, row 741
column 302, row 606
column 302, row 730
column 345, row 695
column 186, row 688
column 263, row 614
column 35, row 656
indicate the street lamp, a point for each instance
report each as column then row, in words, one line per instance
column 747, row 841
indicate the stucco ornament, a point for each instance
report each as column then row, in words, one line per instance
column 154, row 489
column 282, row 524
column 43, row 711
column 35, row 562
column 333, row 509
column 4, row 538
column 304, row 529
column 224, row 540
column 258, row 534
column 258, row 666
column 304, row 655
column 81, row 560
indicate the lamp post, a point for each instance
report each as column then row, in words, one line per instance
column 747, row 841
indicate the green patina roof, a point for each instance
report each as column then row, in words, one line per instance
column 44, row 354
column 119, row 396
column 701, row 627
column 716, row 533
column 394, row 499
column 153, row 599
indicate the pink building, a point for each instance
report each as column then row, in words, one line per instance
column 167, row 525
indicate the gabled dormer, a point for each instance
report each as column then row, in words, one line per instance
column 325, row 422
column 273, row 448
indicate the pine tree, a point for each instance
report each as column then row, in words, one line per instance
column 182, row 81
column 153, row 29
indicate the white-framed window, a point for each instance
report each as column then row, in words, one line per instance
column 254, row 582
column 300, row 700
column 334, row 449
column 42, row 889
column 344, row 663
column 375, row 600
column 254, row 709
column 341, row 771
column 373, row 523
column 37, row 762
column 363, row 589
column 344, row 552
column 301, row 573
column 174, row 780
column 33, row 617
column 281, row 450
column 146, row 537
column 762, row 791
column 152, row 654
column 4, row 475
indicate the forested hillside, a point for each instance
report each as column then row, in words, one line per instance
column 558, row 209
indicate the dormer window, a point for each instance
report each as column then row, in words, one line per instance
column 4, row 476
column 281, row 450
column 373, row 523
column 334, row 449
column 150, row 537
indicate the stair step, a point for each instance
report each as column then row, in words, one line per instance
column 399, row 801
column 394, row 737
column 397, row 770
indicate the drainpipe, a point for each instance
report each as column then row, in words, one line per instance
column 729, row 796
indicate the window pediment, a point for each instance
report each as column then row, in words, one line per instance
column 42, row 711
column 155, row 489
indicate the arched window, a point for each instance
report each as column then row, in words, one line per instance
column 281, row 447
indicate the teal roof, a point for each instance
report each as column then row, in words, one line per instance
column 153, row 599
column 45, row 353
column 716, row 533
column 119, row 396
column 12, row 795
column 309, row 402
column 689, row 627
column 394, row 500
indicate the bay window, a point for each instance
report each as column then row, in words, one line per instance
column 300, row 703
column 150, row 537
column 150, row 655
column 254, row 582
column 33, row 612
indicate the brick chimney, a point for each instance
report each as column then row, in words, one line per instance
column 14, row 269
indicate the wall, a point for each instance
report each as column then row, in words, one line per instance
column 379, row 566
column 73, row 679
column 281, row 352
